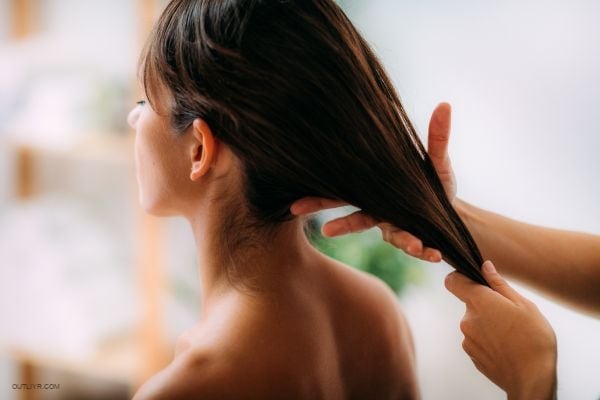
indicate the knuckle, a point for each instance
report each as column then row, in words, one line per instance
column 530, row 305
column 466, row 346
column 361, row 219
column 366, row 219
column 384, row 225
column 465, row 325
column 497, row 283
column 397, row 240
column 415, row 244
column 385, row 235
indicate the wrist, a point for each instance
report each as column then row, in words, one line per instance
column 475, row 219
column 540, row 387
column 465, row 212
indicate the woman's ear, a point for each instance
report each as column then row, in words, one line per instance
column 203, row 149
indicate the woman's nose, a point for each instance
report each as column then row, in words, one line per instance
column 133, row 117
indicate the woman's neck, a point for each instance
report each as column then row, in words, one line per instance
column 233, row 257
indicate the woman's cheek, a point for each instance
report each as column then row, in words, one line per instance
column 142, row 171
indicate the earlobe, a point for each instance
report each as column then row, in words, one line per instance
column 204, row 135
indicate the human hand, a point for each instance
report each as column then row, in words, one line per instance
column 506, row 336
column 437, row 147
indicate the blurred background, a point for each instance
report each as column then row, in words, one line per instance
column 93, row 292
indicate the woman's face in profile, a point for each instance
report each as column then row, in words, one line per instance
column 160, row 161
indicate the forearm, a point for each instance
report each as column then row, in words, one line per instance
column 559, row 263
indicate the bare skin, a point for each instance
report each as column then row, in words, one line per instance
column 562, row 264
column 292, row 323
column 304, row 345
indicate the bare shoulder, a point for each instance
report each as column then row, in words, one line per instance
column 197, row 375
column 373, row 311
column 249, row 374
column 189, row 375
column 372, row 303
column 241, row 357
column 366, row 288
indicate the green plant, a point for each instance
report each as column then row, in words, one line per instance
column 367, row 252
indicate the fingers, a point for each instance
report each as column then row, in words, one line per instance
column 431, row 255
column 360, row 221
column 408, row 243
column 401, row 239
column 473, row 293
column 498, row 283
column 356, row 222
column 308, row 205
column 439, row 133
column 464, row 288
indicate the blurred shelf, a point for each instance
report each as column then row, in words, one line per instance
column 110, row 148
column 119, row 361
column 145, row 351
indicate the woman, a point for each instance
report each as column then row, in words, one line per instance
column 250, row 106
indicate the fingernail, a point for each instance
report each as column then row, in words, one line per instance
column 488, row 267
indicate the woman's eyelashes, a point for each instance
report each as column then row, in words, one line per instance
column 140, row 102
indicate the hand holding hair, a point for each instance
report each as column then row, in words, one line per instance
column 506, row 336
column 437, row 147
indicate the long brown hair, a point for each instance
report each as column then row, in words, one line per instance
column 301, row 99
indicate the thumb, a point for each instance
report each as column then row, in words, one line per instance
column 497, row 282
column 439, row 133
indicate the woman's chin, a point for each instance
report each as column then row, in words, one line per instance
column 153, row 207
